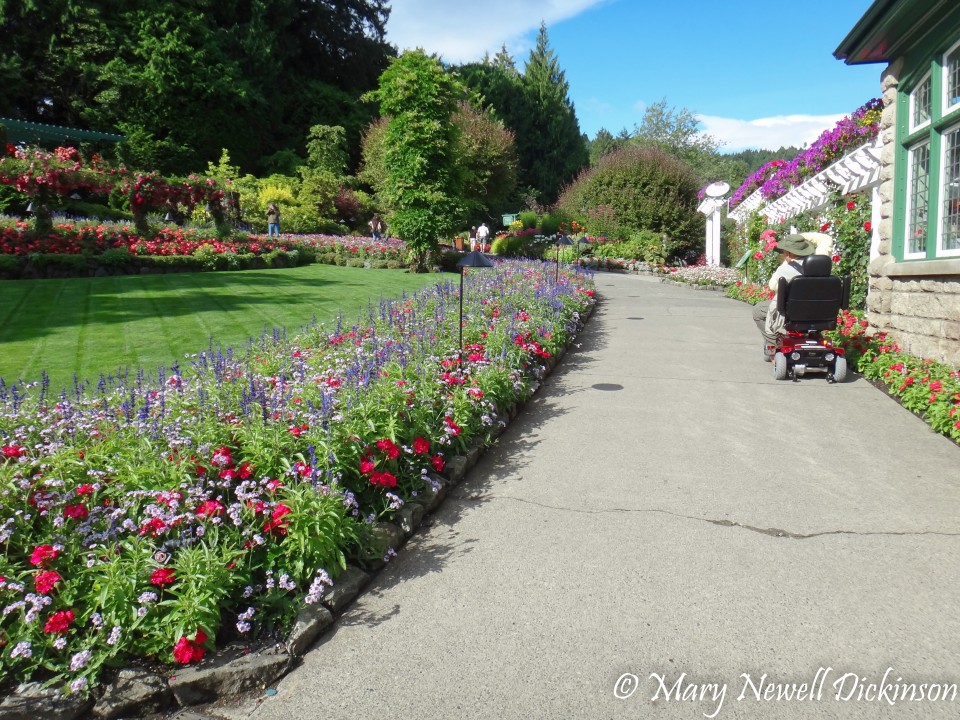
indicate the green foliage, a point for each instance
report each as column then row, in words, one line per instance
column 327, row 150
column 551, row 146
column 523, row 245
column 181, row 80
column 639, row 188
column 485, row 163
column 528, row 219
column 848, row 221
column 534, row 106
column 421, row 189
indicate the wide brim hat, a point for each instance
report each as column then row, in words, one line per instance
column 797, row 245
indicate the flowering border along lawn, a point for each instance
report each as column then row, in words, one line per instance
column 159, row 519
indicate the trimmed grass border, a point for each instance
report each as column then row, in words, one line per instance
column 90, row 326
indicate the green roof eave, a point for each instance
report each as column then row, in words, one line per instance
column 31, row 132
column 891, row 28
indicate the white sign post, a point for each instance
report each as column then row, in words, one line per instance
column 710, row 207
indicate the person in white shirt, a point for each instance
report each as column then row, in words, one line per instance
column 483, row 233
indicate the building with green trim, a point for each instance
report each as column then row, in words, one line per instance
column 915, row 278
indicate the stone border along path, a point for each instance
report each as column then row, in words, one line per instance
column 233, row 670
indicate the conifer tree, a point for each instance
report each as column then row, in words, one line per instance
column 550, row 144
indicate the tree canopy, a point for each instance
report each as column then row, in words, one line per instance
column 421, row 185
column 183, row 79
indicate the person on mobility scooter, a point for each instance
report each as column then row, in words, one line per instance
column 807, row 301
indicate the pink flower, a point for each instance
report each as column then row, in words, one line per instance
column 45, row 581
column 43, row 554
column 75, row 512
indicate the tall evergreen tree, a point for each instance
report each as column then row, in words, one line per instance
column 550, row 145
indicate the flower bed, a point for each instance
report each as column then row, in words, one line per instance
column 925, row 387
column 161, row 519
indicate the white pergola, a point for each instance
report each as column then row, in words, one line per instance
column 857, row 171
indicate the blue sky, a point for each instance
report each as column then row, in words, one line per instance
column 756, row 73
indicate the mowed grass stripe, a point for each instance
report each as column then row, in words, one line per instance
column 99, row 325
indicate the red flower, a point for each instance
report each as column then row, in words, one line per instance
column 187, row 651
column 851, row 205
column 45, row 581
column 59, row 622
column 245, row 471
column 455, row 429
column 11, row 452
column 153, row 527
column 278, row 520
column 75, row 512
column 385, row 479
column 824, row 227
column 209, row 508
column 367, row 465
column 868, row 226
column 389, row 448
column 421, row 446
column 43, row 554
column 86, row 489
column 161, row 577
column 437, row 462
column 835, row 258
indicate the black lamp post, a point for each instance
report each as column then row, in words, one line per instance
column 475, row 259
column 561, row 240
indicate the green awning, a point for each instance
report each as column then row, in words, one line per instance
column 21, row 131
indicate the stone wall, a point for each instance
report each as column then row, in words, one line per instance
column 917, row 303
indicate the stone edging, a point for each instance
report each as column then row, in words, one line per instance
column 234, row 670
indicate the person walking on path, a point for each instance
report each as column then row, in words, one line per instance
column 377, row 227
column 483, row 234
column 273, row 220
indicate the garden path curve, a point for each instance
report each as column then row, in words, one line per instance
column 663, row 506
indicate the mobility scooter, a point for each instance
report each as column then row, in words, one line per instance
column 809, row 304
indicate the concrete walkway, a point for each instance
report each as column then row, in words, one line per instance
column 664, row 507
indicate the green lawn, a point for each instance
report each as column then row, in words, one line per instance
column 90, row 326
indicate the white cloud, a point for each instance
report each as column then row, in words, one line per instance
column 463, row 30
column 769, row 133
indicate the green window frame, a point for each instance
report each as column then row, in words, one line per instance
column 927, row 212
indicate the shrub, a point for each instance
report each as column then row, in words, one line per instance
column 116, row 258
column 645, row 189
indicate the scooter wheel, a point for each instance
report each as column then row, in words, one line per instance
column 840, row 369
column 780, row 366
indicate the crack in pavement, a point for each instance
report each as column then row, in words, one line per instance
column 772, row 532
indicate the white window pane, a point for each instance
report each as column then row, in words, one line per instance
column 920, row 99
column 952, row 79
column 919, row 197
column 950, row 215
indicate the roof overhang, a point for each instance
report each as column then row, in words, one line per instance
column 32, row 132
column 891, row 28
